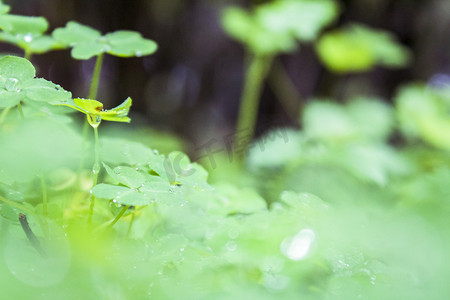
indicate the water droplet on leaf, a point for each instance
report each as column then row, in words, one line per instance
column 28, row 37
column 138, row 53
column 231, row 245
column 11, row 84
column 297, row 247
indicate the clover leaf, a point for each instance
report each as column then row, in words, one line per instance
column 18, row 83
column 422, row 112
column 274, row 27
column 87, row 42
column 358, row 48
column 135, row 187
column 27, row 33
column 95, row 113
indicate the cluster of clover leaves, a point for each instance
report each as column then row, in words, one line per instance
column 21, row 90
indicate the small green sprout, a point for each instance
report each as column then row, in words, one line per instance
column 95, row 113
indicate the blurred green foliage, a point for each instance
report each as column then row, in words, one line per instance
column 358, row 48
column 355, row 204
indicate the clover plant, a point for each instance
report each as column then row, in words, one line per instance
column 269, row 30
column 87, row 42
column 19, row 85
column 334, row 210
column 26, row 33
column 94, row 112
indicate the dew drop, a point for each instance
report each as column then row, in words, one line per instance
column 233, row 233
column 231, row 245
column 297, row 247
column 275, row 281
column 155, row 152
column 28, row 37
column 138, row 53
column 11, row 84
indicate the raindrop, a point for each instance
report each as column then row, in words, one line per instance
column 138, row 53
column 297, row 247
column 275, row 281
column 155, row 152
column 231, row 245
column 28, row 37
column 11, row 84
column 233, row 233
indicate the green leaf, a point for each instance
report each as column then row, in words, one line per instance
column 178, row 169
column 89, row 105
column 95, row 113
column 304, row 19
column 151, row 191
column 159, row 191
column 275, row 26
column 17, row 83
column 24, row 24
column 88, row 50
column 121, row 151
column 276, row 148
column 118, row 113
column 358, row 48
column 88, row 42
column 41, row 44
column 4, row 9
column 361, row 118
column 423, row 113
column 244, row 201
column 120, row 194
column 243, row 27
column 126, row 176
column 9, row 99
column 13, row 67
column 43, row 90
column 75, row 33
column 129, row 43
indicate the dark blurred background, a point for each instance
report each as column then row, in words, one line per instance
column 192, row 85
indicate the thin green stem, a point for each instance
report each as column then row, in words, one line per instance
column 44, row 196
column 27, row 54
column 17, row 205
column 4, row 114
column 19, row 108
column 285, row 90
column 95, row 171
column 248, row 111
column 130, row 224
column 96, row 77
column 83, row 146
column 119, row 215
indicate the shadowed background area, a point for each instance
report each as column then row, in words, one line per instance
column 192, row 85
